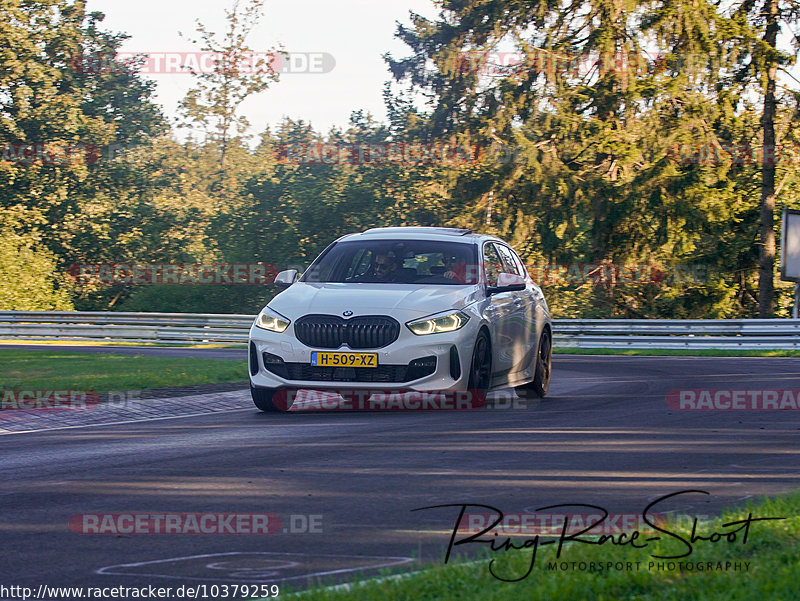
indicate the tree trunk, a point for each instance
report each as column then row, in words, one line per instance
column 766, row 259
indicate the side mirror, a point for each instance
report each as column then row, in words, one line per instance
column 286, row 278
column 508, row 282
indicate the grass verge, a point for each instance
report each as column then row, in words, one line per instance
column 64, row 370
column 771, row 550
column 116, row 343
column 675, row 352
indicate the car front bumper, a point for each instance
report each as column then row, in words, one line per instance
column 448, row 348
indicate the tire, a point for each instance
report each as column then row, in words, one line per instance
column 544, row 368
column 265, row 399
column 480, row 367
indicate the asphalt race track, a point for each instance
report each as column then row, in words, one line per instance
column 604, row 436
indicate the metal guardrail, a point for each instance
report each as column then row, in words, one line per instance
column 189, row 328
column 99, row 326
column 724, row 334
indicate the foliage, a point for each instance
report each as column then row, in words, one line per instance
column 237, row 74
column 766, row 566
column 620, row 133
column 29, row 277
column 599, row 105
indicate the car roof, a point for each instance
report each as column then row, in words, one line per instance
column 419, row 233
column 449, row 231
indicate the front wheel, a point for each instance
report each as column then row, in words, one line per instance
column 544, row 367
column 480, row 369
column 271, row 400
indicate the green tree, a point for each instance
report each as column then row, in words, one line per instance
column 585, row 124
column 30, row 278
column 66, row 104
column 238, row 73
column 760, row 27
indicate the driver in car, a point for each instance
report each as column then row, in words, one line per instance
column 455, row 269
column 386, row 267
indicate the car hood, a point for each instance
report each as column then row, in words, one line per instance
column 405, row 301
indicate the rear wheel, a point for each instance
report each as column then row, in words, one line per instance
column 271, row 400
column 544, row 366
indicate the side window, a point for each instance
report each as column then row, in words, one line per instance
column 492, row 263
column 509, row 264
column 520, row 265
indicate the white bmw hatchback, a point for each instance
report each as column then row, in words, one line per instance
column 412, row 308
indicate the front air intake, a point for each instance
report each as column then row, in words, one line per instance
column 253, row 359
column 455, row 363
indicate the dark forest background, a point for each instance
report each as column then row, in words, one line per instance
column 659, row 134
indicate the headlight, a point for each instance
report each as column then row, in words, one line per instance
column 446, row 322
column 272, row 321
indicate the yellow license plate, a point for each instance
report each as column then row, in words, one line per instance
column 344, row 359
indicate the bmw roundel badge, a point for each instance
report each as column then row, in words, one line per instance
column 347, row 313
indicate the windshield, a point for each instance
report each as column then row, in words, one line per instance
column 396, row 262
